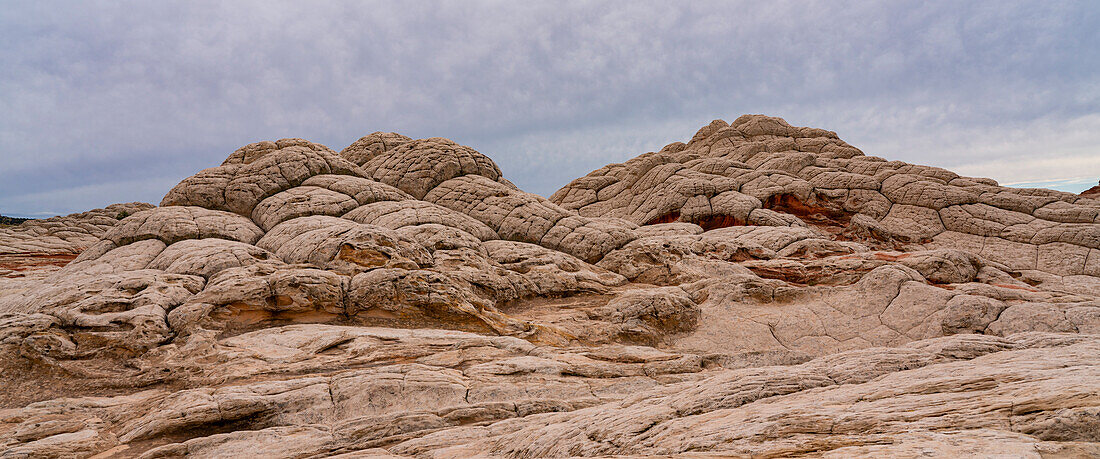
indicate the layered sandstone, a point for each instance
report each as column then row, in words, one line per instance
column 762, row 289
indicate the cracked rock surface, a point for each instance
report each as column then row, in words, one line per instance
column 761, row 290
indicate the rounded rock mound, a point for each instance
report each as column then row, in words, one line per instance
column 759, row 170
column 402, row 298
column 255, row 172
column 372, row 145
column 418, row 166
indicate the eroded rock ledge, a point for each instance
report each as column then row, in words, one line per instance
column 762, row 289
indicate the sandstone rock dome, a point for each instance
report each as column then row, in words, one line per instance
column 762, row 289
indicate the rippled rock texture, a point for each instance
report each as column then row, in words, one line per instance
column 761, row 290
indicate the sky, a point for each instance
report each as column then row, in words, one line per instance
column 104, row 102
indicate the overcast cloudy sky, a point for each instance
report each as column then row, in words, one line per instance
column 115, row 101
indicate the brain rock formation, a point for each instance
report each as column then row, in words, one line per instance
column 33, row 249
column 761, row 290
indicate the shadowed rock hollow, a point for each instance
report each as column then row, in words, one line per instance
column 762, row 289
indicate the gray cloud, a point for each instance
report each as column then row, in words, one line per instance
column 105, row 102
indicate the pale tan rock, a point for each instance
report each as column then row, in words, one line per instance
column 177, row 223
column 668, row 229
column 944, row 266
column 207, row 257
column 365, row 191
column 124, row 313
column 69, row 234
column 914, row 223
column 680, row 259
column 549, row 272
column 647, row 316
column 439, row 237
column 301, row 201
column 372, row 145
column 238, row 298
column 1042, row 317
column 256, row 172
column 399, row 214
column 753, row 412
column 914, row 190
column 760, row 290
column 971, row 313
column 418, row 166
column 825, row 183
column 525, row 217
column 293, row 441
column 342, row 245
column 969, row 443
column 130, row 257
column 423, row 298
column 253, row 152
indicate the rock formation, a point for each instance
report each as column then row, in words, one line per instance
column 1093, row 192
column 762, row 290
column 33, row 249
column 69, row 234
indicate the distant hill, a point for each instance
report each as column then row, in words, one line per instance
column 12, row 220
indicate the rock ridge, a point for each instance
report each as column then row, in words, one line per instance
column 759, row 290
